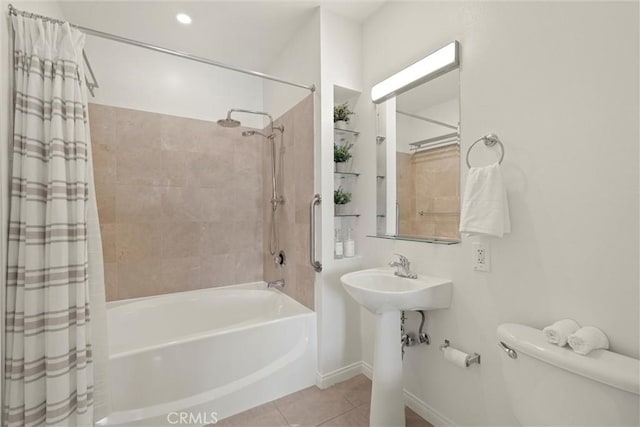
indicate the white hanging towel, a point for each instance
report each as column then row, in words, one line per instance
column 485, row 210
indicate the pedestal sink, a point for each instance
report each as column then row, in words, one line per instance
column 384, row 294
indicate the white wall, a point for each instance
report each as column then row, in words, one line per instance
column 326, row 52
column 299, row 62
column 328, row 46
column 338, row 318
column 140, row 79
column 558, row 82
column 136, row 78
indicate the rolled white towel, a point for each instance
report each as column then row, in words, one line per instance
column 559, row 332
column 587, row 339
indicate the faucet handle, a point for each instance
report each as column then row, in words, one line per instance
column 403, row 259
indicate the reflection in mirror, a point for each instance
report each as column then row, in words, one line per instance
column 419, row 162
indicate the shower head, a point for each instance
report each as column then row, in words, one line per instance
column 228, row 123
column 231, row 123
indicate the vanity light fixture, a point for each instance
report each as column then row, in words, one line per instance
column 428, row 68
column 183, row 18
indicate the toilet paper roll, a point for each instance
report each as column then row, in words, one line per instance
column 456, row 357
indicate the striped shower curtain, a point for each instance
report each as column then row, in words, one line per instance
column 55, row 290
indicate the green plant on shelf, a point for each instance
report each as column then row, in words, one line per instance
column 342, row 113
column 341, row 197
column 342, row 153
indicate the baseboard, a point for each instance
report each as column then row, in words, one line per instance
column 367, row 370
column 327, row 380
column 417, row 405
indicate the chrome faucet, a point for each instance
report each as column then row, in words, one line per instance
column 403, row 267
column 278, row 284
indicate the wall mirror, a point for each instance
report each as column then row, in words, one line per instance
column 418, row 152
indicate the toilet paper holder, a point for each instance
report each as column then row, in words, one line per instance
column 471, row 358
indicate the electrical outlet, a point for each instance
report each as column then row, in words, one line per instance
column 481, row 257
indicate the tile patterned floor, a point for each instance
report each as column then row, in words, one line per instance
column 344, row 404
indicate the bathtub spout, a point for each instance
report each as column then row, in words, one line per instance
column 278, row 284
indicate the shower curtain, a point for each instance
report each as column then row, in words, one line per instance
column 55, row 353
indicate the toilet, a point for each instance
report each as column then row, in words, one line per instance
column 553, row 386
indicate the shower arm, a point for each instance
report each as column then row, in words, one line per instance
column 260, row 113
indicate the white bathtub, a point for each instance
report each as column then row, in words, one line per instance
column 221, row 350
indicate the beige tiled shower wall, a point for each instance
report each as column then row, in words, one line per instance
column 405, row 193
column 429, row 181
column 295, row 156
column 180, row 202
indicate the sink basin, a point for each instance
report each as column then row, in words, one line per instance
column 386, row 295
column 379, row 291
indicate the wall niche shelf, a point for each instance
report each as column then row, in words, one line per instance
column 347, row 174
column 345, row 132
column 436, row 240
column 347, row 259
column 345, row 219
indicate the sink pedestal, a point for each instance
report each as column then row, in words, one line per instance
column 385, row 294
column 387, row 398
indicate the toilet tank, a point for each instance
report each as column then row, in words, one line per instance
column 554, row 386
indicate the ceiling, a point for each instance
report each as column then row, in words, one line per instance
column 241, row 33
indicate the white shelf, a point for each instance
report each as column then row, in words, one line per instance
column 345, row 132
column 353, row 258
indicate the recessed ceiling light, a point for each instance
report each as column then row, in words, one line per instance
column 183, row 18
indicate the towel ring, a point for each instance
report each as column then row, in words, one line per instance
column 489, row 141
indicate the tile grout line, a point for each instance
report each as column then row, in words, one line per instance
column 281, row 414
column 354, row 405
column 341, row 414
column 327, row 420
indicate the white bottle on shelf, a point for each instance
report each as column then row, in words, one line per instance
column 339, row 248
column 349, row 245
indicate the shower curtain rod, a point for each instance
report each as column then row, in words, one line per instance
column 426, row 119
column 435, row 142
column 447, row 143
column 119, row 39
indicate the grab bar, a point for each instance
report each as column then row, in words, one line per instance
column 317, row 265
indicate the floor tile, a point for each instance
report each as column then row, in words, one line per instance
column 359, row 417
column 346, row 404
column 415, row 420
column 313, row 406
column 356, row 417
column 266, row 415
column 356, row 390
